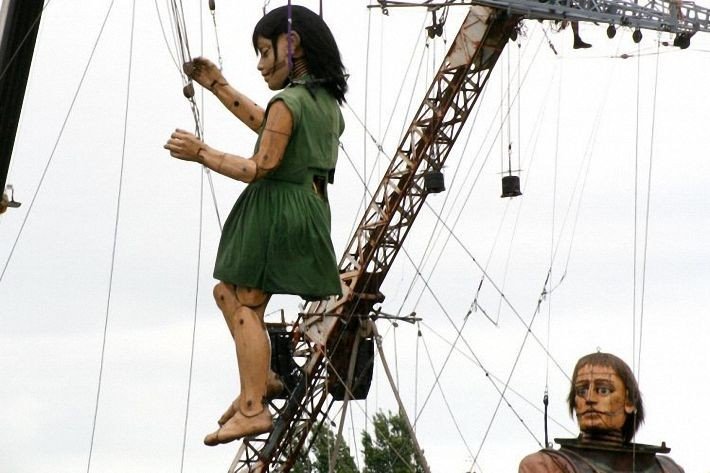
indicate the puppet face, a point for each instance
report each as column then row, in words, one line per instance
column 273, row 62
column 600, row 402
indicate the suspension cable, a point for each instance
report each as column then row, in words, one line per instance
column 474, row 359
column 402, row 411
column 115, row 237
column 22, row 41
column 216, row 33
column 194, row 327
column 636, row 190
column 648, row 212
column 56, row 142
column 460, row 193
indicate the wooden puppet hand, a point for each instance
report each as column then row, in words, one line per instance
column 204, row 72
column 184, row 145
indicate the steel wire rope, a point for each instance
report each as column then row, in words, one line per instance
column 583, row 174
column 578, row 190
column 431, row 241
column 460, row 192
column 644, row 258
column 365, row 187
column 452, row 234
column 412, row 262
column 636, row 216
column 358, row 404
column 213, row 13
column 56, row 142
column 448, row 317
column 474, row 359
column 328, row 363
column 544, row 291
column 416, row 372
column 505, row 387
column 381, row 88
column 365, row 107
column 534, row 137
column 636, row 365
column 501, row 393
column 441, row 391
column 560, row 78
column 497, row 289
column 420, row 459
column 456, row 173
column 415, row 81
column 436, row 382
column 347, row 389
column 22, row 41
column 182, row 47
column 7, row 67
column 179, row 28
column 194, row 325
column 115, row 237
column 363, row 410
column 354, row 438
column 198, row 268
column 375, row 141
column 378, row 142
column 474, row 304
column 165, row 36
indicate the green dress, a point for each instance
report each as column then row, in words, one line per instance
column 277, row 236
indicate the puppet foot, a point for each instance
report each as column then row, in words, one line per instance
column 274, row 386
column 579, row 44
column 240, row 426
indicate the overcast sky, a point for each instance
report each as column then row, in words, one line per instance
column 585, row 124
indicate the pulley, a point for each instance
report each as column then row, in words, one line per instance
column 189, row 90
column 511, row 186
column 434, row 182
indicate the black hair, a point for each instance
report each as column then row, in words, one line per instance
column 633, row 421
column 321, row 52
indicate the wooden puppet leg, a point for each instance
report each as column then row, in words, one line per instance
column 244, row 312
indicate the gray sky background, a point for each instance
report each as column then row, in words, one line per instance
column 575, row 137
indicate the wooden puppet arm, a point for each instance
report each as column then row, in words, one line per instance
column 207, row 74
column 241, row 106
column 274, row 139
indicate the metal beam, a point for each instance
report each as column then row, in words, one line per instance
column 673, row 16
column 19, row 23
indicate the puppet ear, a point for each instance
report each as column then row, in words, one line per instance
column 296, row 44
column 629, row 408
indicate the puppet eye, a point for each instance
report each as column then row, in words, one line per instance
column 604, row 390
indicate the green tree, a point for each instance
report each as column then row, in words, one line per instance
column 319, row 458
column 392, row 450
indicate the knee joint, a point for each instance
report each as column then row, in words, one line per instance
column 250, row 297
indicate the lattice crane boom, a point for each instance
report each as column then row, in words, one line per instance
column 673, row 16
